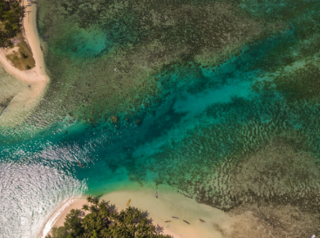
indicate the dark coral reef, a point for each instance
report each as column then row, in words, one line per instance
column 115, row 50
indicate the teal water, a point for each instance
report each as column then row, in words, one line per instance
column 191, row 103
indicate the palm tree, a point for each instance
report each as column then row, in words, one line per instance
column 139, row 230
column 95, row 201
column 100, row 222
column 90, row 199
column 103, row 205
column 150, row 229
column 114, row 217
column 93, row 209
column 113, row 231
column 138, row 214
column 132, row 230
column 105, row 233
column 85, row 207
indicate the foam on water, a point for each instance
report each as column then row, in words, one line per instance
column 28, row 193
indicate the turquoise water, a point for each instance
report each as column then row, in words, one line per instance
column 180, row 110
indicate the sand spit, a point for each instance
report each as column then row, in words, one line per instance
column 22, row 105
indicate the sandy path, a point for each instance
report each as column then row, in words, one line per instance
column 167, row 205
column 37, row 79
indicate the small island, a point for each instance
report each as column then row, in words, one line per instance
column 100, row 219
column 16, row 49
column 22, row 58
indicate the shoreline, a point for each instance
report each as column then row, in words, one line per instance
column 160, row 210
column 22, row 105
column 58, row 212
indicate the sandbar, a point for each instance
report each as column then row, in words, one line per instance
column 23, row 104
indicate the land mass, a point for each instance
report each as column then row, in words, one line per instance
column 35, row 78
column 162, row 210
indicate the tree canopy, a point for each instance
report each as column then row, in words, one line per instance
column 98, row 219
column 10, row 14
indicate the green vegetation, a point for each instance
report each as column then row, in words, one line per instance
column 10, row 14
column 22, row 57
column 99, row 219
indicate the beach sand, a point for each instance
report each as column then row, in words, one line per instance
column 23, row 104
column 160, row 210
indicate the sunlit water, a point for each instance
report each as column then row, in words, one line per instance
column 187, row 119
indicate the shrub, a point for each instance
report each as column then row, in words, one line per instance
column 24, row 55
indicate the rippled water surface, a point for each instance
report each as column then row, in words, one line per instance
column 219, row 100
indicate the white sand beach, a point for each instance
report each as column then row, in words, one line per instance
column 160, row 210
column 23, row 104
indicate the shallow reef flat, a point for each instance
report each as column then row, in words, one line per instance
column 12, row 91
column 10, row 87
column 140, row 39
